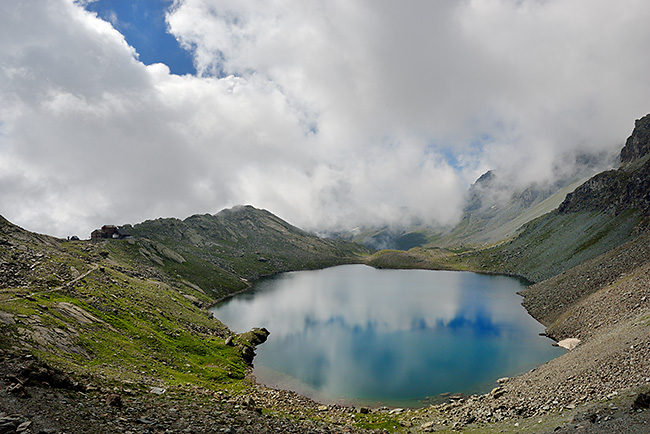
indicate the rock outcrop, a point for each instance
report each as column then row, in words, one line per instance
column 637, row 145
column 624, row 189
column 250, row 340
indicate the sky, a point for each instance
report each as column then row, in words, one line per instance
column 330, row 113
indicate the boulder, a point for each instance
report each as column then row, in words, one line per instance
column 256, row 336
column 250, row 340
column 114, row 400
column 569, row 343
column 641, row 401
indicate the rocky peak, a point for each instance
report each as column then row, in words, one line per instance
column 615, row 191
column 477, row 190
column 638, row 144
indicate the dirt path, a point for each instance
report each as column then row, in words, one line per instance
column 60, row 287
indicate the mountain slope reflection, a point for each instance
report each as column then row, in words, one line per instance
column 353, row 332
column 481, row 324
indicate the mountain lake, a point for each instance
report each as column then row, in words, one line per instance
column 354, row 334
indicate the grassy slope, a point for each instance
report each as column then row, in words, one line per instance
column 557, row 242
column 134, row 310
column 547, row 246
column 100, row 318
column 553, row 300
column 505, row 223
column 221, row 253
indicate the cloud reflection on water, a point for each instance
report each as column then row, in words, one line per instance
column 384, row 334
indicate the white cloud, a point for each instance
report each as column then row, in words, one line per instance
column 327, row 113
column 538, row 78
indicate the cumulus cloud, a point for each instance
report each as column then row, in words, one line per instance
column 329, row 113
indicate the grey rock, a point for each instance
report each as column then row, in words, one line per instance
column 114, row 400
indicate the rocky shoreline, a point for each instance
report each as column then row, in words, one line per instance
column 600, row 386
column 582, row 391
column 592, row 388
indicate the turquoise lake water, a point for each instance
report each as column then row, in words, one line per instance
column 355, row 334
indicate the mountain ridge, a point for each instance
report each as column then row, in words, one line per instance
column 494, row 210
column 234, row 247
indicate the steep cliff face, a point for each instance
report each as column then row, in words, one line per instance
column 624, row 189
column 637, row 145
column 613, row 192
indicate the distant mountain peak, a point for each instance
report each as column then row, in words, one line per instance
column 486, row 178
column 476, row 194
column 236, row 209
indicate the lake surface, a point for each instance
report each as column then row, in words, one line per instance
column 393, row 337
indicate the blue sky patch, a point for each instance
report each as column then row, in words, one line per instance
column 142, row 22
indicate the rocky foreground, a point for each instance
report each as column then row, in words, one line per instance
column 600, row 386
column 38, row 399
column 51, row 307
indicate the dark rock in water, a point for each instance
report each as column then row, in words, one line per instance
column 260, row 335
column 641, row 401
column 248, row 353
